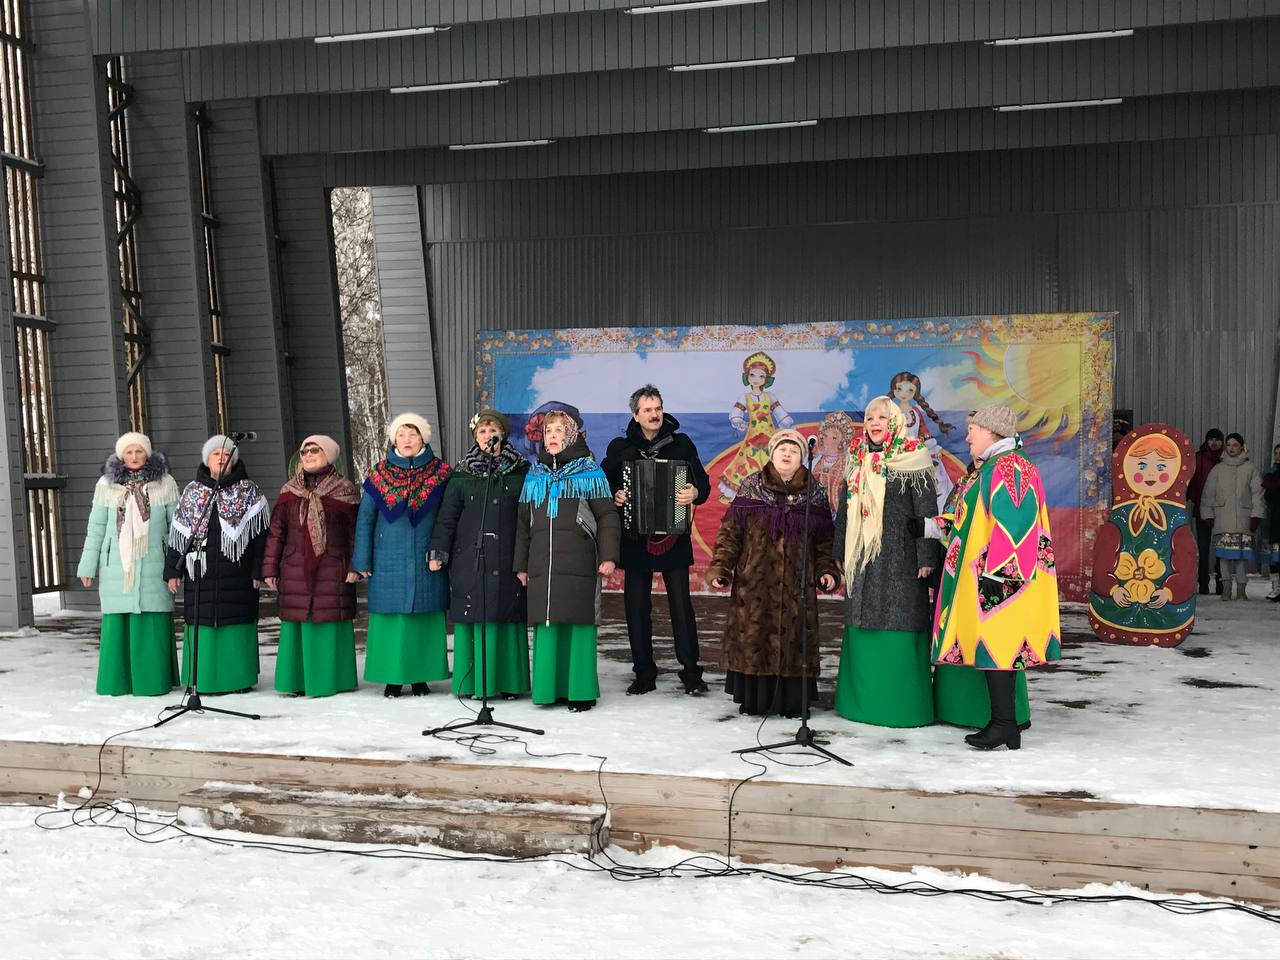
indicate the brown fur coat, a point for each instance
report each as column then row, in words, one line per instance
column 758, row 550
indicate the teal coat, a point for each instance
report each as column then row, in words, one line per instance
column 101, row 555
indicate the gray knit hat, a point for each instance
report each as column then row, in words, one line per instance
column 218, row 442
column 999, row 418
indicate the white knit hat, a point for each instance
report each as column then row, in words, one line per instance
column 216, row 442
column 999, row 418
column 128, row 440
column 414, row 420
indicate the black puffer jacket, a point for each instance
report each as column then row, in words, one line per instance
column 227, row 591
column 633, row 446
column 559, row 556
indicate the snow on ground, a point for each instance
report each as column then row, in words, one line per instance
column 1189, row 726
column 97, row 893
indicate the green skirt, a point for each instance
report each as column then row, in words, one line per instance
column 318, row 659
column 138, row 655
column 885, row 678
column 506, row 660
column 228, row 657
column 564, row 662
column 960, row 696
column 406, row 648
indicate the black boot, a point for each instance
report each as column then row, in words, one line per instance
column 391, row 690
column 420, row 689
column 580, row 706
column 1003, row 730
column 642, row 685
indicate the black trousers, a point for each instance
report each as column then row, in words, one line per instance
column 637, row 592
column 1204, row 544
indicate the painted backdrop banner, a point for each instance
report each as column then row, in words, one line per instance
column 732, row 386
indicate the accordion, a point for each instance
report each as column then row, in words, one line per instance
column 651, row 486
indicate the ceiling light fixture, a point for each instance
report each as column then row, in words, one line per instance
column 381, row 34
column 498, row 145
column 1059, row 38
column 786, row 124
column 460, row 85
column 731, row 64
column 1058, row 105
column 691, row 5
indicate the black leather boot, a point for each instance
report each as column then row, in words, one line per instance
column 420, row 689
column 1003, row 730
column 391, row 690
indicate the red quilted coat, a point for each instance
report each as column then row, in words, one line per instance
column 312, row 588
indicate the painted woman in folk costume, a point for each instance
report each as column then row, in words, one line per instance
column 1144, row 557
column 217, row 536
column 308, row 560
column 407, row 641
column 759, row 550
column 908, row 395
column 568, row 535
column 835, row 440
column 997, row 604
column 887, row 557
column 480, row 506
column 133, row 505
column 757, row 414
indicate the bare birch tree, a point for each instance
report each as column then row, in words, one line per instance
column 361, row 307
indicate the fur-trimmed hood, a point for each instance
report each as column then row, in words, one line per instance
column 161, row 487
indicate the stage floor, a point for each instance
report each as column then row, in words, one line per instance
column 1188, row 727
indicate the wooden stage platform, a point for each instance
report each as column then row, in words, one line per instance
column 1044, row 841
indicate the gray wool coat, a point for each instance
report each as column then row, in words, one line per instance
column 887, row 594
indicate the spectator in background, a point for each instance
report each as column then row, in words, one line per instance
column 1271, row 523
column 1232, row 500
column 1207, row 458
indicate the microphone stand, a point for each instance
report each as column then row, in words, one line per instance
column 191, row 701
column 485, row 717
column 803, row 737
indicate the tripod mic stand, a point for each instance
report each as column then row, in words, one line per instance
column 803, row 737
column 191, row 701
column 485, row 717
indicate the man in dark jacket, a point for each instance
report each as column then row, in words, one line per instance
column 652, row 434
column 1207, row 457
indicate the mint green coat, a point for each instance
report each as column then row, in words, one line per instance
column 101, row 555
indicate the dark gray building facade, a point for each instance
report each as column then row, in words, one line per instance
column 912, row 194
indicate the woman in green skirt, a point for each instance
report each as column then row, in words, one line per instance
column 407, row 640
column 133, row 504
column 887, row 555
column 215, row 544
column 486, row 601
column 308, row 560
column 567, row 537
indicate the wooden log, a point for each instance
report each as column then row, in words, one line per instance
column 965, row 841
column 1051, row 814
column 475, row 826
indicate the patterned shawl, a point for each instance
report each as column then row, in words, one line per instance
column 242, row 515
column 132, row 494
column 580, row 477
column 867, row 471
column 764, row 497
column 329, row 483
column 412, row 485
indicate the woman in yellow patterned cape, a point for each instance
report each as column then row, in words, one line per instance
column 997, row 604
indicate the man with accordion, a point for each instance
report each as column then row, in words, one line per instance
column 657, row 478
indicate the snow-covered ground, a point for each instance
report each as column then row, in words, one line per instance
column 97, row 893
column 1190, row 726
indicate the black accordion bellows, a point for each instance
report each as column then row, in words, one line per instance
column 651, row 486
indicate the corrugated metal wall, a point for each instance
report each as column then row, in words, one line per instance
column 1182, row 239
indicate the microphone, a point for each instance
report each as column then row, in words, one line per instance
column 247, row 435
column 813, row 444
column 491, row 443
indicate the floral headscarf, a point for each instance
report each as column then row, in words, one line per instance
column 866, row 476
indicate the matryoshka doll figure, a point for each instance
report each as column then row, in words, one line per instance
column 1144, row 559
